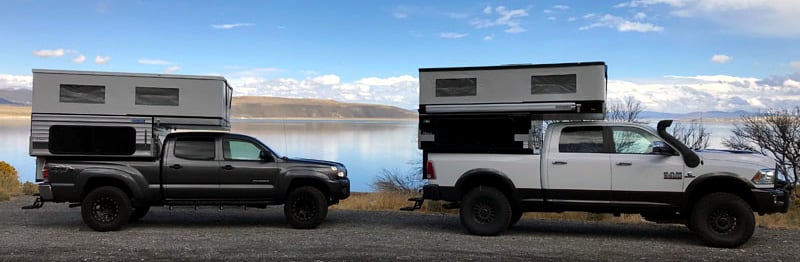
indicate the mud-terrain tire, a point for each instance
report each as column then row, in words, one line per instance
column 106, row 208
column 516, row 215
column 306, row 207
column 138, row 213
column 722, row 220
column 485, row 211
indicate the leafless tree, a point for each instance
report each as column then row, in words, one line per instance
column 775, row 133
column 694, row 135
column 626, row 111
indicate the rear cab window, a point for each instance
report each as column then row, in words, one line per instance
column 195, row 148
column 582, row 139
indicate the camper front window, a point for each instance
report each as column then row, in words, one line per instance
column 86, row 94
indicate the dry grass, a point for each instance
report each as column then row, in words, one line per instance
column 394, row 201
column 15, row 111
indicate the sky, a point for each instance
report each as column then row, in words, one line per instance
column 674, row 56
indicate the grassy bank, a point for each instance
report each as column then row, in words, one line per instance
column 394, row 201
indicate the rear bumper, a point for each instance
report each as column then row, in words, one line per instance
column 57, row 192
column 46, row 192
column 773, row 200
column 436, row 192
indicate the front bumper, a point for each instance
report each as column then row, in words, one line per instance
column 775, row 200
column 339, row 188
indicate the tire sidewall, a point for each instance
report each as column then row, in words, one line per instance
column 496, row 200
column 732, row 204
column 123, row 211
column 138, row 213
column 312, row 194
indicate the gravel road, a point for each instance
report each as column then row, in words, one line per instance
column 56, row 232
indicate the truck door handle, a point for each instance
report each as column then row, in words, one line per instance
column 176, row 166
column 624, row 164
column 559, row 162
column 227, row 167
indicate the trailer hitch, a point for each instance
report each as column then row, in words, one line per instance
column 38, row 203
column 417, row 204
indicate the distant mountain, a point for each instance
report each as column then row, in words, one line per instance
column 16, row 96
column 693, row 115
column 276, row 107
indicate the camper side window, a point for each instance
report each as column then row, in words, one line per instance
column 92, row 140
column 85, row 94
column 554, row 84
column 157, row 96
column 457, row 87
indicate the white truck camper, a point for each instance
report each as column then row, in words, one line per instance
column 491, row 108
column 120, row 115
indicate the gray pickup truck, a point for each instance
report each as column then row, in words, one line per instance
column 194, row 169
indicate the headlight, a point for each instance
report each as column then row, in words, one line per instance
column 339, row 173
column 764, row 177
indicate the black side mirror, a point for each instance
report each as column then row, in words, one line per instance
column 661, row 148
column 266, row 156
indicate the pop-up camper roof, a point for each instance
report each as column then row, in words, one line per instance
column 565, row 88
column 175, row 101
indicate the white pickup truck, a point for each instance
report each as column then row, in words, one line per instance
column 612, row 167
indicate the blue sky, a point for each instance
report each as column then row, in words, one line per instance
column 709, row 54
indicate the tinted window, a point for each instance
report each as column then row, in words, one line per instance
column 240, row 150
column 195, row 148
column 630, row 140
column 457, row 87
column 82, row 94
column 156, row 96
column 92, row 140
column 583, row 139
column 554, row 84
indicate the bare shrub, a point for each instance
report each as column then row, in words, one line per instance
column 775, row 133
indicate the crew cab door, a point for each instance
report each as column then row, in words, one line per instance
column 639, row 176
column 245, row 175
column 190, row 169
column 578, row 166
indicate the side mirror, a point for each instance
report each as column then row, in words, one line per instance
column 266, row 156
column 661, row 148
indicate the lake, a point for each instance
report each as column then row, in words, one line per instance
column 365, row 147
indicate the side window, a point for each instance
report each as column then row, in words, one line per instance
column 85, row 94
column 581, row 139
column 234, row 149
column 195, row 148
column 456, row 87
column 631, row 140
column 92, row 140
column 554, row 84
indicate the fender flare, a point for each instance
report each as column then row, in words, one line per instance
column 134, row 183
column 491, row 172
column 286, row 179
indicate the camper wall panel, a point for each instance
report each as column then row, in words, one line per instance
column 196, row 97
column 519, row 85
column 41, row 125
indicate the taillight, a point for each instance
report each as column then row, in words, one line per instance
column 429, row 168
column 45, row 173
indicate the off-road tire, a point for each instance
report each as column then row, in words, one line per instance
column 516, row 215
column 722, row 220
column 138, row 213
column 306, row 207
column 485, row 211
column 106, row 208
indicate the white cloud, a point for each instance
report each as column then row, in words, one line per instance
column 51, row 53
column 153, row 61
column 640, row 16
column 620, row 24
column 510, row 18
column 571, row 19
column 720, row 59
column 456, row 15
column 101, row 60
column 487, row 38
column 452, row 35
column 487, row 10
column 79, row 59
column 231, row 26
column 551, row 18
column 16, row 81
column 172, row 69
column 401, row 91
column 561, row 7
column 777, row 18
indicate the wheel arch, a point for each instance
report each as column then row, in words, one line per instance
column 300, row 179
column 97, row 177
column 719, row 182
column 487, row 177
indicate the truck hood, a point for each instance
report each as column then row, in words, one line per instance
column 718, row 157
column 314, row 162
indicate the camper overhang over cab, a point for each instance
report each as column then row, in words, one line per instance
column 78, row 113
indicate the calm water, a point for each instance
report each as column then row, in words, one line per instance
column 365, row 147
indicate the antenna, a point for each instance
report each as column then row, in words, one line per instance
column 285, row 144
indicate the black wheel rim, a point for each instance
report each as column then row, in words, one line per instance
column 303, row 208
column 105, row 209
column 484, row 212
column 722, row 221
